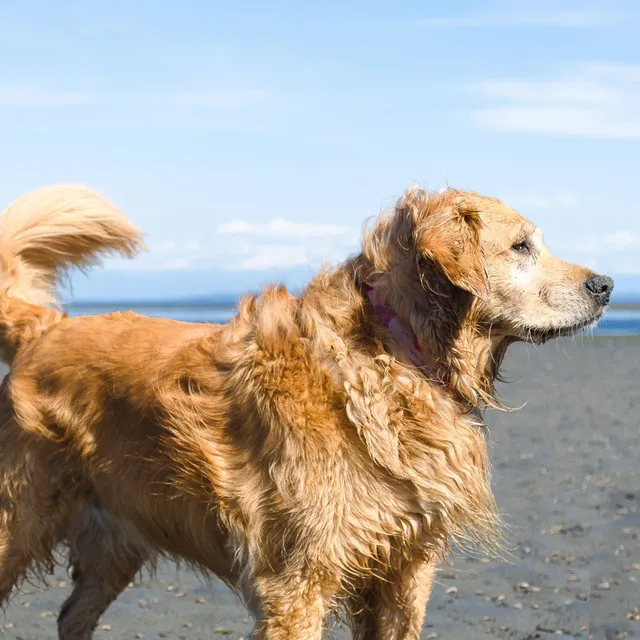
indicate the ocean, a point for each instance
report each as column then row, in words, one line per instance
column 619, row 321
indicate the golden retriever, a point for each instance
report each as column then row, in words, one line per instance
column 318, row 453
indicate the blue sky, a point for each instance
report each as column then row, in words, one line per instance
column 252, row 140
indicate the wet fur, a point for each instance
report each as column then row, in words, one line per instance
column 293, row 451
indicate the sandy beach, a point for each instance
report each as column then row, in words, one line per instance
column 567, row 479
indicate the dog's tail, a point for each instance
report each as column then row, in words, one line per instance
column 43, row 235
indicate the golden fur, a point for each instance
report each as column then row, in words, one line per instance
column 294, row 451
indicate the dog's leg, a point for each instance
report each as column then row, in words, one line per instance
column 105, row 557
column 27, row 543
column 35, row 506
column 361, row 609
column 294, row 607
column 394, row 609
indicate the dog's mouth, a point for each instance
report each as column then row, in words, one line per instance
column 537, row 335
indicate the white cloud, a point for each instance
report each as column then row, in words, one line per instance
column 244, row 246
column 145, row 263
column 566, row 19
column 162, row 247
column 576, row 92
column 272, row 256
column 608, row 243
column 36, row 97
column 598, row 100
column 28, row 97
column 628, row 269
column 284, row 244
column 537, row 202
column 566, row 200
column 178, row 264
column 614, row 252
column 514, row 14
column 279, row 228
column 286, row 255
column 622, row 240
column 225, row 99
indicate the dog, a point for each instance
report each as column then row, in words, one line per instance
column 317, row 453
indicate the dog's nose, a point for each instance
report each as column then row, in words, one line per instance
column 600, row 287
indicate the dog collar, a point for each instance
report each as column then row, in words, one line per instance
column 403, row 335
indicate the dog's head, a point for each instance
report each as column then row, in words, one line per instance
column 459, row 255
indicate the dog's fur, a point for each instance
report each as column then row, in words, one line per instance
column 294, row 451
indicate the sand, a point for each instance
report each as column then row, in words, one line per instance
column 566, row 475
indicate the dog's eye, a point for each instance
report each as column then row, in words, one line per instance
column 522, row 247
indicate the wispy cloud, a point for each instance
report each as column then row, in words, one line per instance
column 621, row 240
column 244, row 246
column 279, row 228
column 285, row 256
column 613, row 253
column 541, row 202
column 285, row 244
column 510, row 16
column 178, row 264
column 28, row 97
column 162, row 247
column 147, row 263
column 567, row 19
column 224, row 99
column 36, row 97
column 162, row 255
column 598, row 100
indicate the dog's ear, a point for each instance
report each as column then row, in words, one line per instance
column 447, row 233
